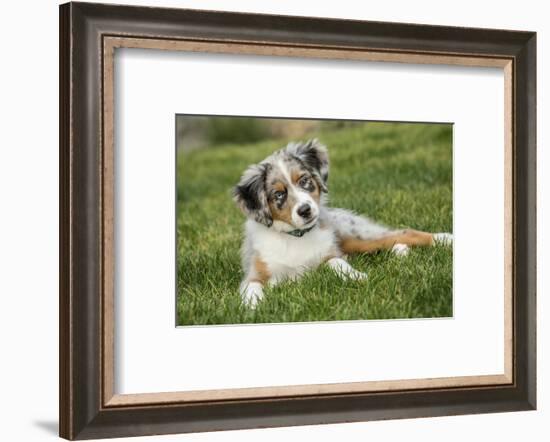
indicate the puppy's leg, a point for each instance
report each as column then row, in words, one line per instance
column 389, row 240
column 251, row 288
column 251, row 292
column 342, row 268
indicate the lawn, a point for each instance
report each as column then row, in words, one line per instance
column 399, row 174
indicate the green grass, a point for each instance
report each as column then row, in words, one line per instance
column 399, row 174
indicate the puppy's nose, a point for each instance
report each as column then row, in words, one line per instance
column 304, row 210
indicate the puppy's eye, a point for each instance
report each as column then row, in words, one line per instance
column 305, row 181
column 279, row 195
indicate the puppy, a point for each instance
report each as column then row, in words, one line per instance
column 290, row 230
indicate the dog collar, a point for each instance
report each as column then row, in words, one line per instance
column 300, row 232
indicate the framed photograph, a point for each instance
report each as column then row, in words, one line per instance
column 270, row 221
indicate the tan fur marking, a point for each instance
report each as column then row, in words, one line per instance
column 316, row 194
column 284, row 214
column 279, row 186
column 295, row 175
column 408, row 237
column 262, row 273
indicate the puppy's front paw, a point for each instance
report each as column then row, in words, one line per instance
column 400, row 249
column 251, row 293
column 444, row 239
column 344, row 270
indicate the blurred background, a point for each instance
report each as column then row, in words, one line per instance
column 197, row 132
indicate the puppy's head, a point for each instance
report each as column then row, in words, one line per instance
column 284, row 190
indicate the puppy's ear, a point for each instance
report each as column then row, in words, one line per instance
column 314, row 155
column 250, row 194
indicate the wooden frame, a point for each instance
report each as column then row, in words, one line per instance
column 89, row 34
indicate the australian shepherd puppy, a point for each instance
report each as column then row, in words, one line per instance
column 290, row 230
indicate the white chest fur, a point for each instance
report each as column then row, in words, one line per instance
column 287, row 256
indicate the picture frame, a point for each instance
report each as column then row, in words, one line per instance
column 89, row 34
